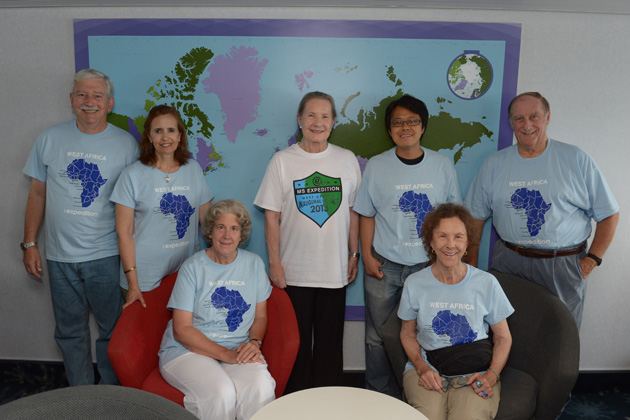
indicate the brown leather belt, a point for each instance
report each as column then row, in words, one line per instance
column 541, row 253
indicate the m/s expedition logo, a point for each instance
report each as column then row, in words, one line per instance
column 318, row 197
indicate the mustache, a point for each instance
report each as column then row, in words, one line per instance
column 89, row 108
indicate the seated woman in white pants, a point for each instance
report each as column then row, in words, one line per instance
column 211, row 349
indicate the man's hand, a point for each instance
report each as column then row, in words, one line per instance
column 372, row 266
column 587, row 264
column 33, row 261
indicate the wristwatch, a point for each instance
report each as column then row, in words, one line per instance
column 25, row 245
column 595, row 258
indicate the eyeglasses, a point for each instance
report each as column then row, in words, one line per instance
column 455, row 383
column 410, row 123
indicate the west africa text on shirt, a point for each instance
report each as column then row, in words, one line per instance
column 413, row 186
column 527, row 183
column 221, row 283
column 86, row 156
column 171, row 189
column 452, row 305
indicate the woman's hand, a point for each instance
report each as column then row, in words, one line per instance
column 353, row 268
column 276, row 275
column 134, row 294
column 249, row 353
column 429, row 379
column 482, row 384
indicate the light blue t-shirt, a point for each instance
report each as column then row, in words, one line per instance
column 452, row 314
column 546, row 202
column 222, row 299
column 166, row 217
column 400, row 196
column 80, row 171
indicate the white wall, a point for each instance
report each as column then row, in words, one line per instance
column 578, row 61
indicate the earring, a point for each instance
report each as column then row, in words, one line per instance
column 465, row 253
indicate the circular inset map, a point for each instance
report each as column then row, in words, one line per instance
column 470, row 75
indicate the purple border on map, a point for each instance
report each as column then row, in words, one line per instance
column 509, row 33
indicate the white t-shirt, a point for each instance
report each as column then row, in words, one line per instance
column 314, row 193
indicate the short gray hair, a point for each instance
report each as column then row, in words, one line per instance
column 317, row 95
column 94, row 74
column 214, row 213
column 543, row 102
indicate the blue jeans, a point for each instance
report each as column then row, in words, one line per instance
column 381, row 300
column 75, row 289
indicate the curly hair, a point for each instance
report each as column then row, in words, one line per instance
column 446, row 211
column 214, row 213
column 147, row 151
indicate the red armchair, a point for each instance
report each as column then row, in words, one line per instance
column 136, row 340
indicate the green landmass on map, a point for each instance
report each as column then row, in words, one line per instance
column 177, row 89
column 447, row 132
column 367, row 136
column 484, row 69
column 120, row 121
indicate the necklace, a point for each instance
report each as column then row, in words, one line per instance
column 167, row 170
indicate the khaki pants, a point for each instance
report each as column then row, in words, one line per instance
column 454, row 404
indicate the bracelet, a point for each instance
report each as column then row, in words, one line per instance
column 355, row 254
column 496, row 373
column 257, row 340
column 129, row 269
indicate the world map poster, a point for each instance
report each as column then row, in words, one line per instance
column 237, row 84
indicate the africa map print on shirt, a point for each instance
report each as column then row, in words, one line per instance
column 535, row 207
column 178, row 206
column 224, row 298
column 418, row 204
column 456, row 327
column 90, row 177
column 318, row 197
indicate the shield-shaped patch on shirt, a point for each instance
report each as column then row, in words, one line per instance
column 318, row 196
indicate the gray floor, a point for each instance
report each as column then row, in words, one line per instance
column 596, row 396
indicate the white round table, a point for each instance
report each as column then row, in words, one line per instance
column 336, row 402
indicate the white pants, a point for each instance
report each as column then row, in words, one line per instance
column 220, row 391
